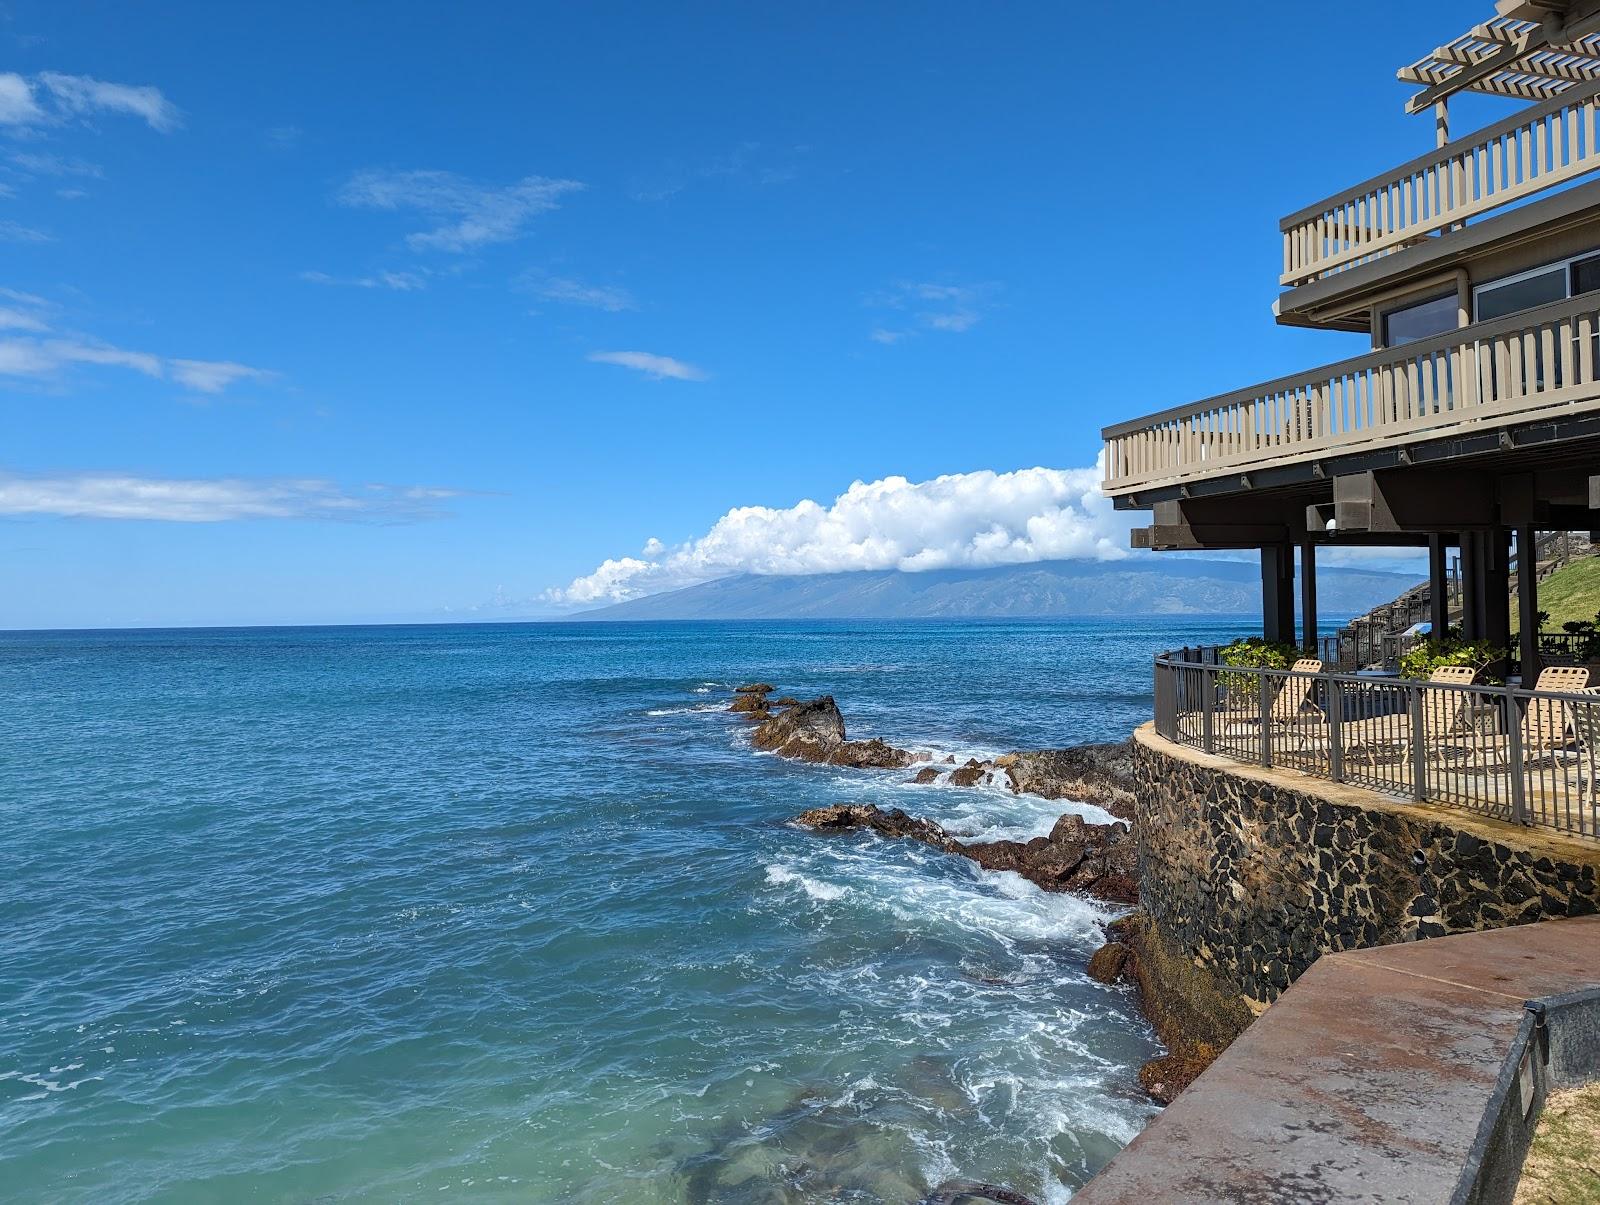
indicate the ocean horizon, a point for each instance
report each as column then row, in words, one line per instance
column 513, row 911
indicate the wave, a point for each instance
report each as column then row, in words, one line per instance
column 780, row 876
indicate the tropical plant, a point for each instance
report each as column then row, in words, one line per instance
column 1253, row 652
column 1449, row 649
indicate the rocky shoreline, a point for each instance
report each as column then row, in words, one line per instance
column 1100, row 860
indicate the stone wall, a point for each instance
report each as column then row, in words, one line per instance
column 1254, row 873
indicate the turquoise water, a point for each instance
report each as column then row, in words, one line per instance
column 512, row 912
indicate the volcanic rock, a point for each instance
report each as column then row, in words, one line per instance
column 814, row 732
column 970, row 774
column 754, row 705
column 925, row 776
column 842, row 817
column 754, row 688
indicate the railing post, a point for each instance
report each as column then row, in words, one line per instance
column 1264, row 698
column 1514, row 754
column 1208, row 709
column 1335, row 729
column 1419, row 752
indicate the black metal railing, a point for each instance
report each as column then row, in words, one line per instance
column 1532, row 757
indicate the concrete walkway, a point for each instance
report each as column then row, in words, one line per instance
column 1366, row 1081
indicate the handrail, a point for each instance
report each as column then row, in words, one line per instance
column 1533, row 150
column 1513, row 753
column 1489, row 371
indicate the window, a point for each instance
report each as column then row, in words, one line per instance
column 1586, row 275
column 1412, row 322
column 1521, row 292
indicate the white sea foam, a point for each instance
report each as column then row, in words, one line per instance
column 779, row 876
column 696, row 709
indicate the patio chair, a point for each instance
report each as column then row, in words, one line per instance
column 1546, row 724
column 1586, row 726
column 1445, row 714
column 1290, row 705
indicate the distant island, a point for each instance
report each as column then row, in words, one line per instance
column 1042, row 590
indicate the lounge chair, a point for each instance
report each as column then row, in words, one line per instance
column 1445, row 714
column 1546, row 724
column 1291, row 705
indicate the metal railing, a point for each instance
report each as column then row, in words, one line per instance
column 1525, row 756
column 1537, row 149
column 1538, row 362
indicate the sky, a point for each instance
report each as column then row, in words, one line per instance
column 404, row 312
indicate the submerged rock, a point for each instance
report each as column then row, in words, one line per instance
column 1076, row 856
column 957, row 1192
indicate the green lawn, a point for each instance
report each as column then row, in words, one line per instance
column 1571, row 593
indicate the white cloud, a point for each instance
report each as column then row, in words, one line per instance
column 213, row 376
column 15, row 232
column 930, row 306
column 401, row 282
column 470, row 214
column 963, row 520
column 43, row 164
column 659, row 367
column 213, row 500
column 15, row 319
column 575, row 292
column 47, row 358
column 80, row 96
column 17, row 104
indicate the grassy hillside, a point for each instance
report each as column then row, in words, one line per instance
column 1571, row 593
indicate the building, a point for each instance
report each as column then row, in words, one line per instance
column 1475, row 418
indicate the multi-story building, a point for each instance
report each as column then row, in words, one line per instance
column 1475, row 268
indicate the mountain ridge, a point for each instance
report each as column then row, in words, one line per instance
column 1040, row 589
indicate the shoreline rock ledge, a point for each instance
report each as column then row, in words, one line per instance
column 814, row 732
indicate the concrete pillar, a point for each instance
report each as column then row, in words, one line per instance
column 1496, row 560
column 1438, row 587
column 1277, row 592
column 1308, row 597
column 1471, row 586
column 1528, row 603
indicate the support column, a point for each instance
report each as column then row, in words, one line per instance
column 1471, row 586
column 1277, row 592
column 1528, row 603
column 1438, row 588
column 1308, row 597
column 1497, row 587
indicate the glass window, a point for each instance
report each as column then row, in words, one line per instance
column 1586, row 275
column 1523, row 293
column 1410, row 323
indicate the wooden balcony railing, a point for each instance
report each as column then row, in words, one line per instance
column 1536, row 149
column 1536, row 363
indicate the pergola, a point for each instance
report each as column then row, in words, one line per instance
column 1532, row 50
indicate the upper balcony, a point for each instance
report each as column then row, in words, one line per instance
column 1539, row 364
column 1540, row 148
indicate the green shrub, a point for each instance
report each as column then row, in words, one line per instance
column 1253, row 652
column 1450, row 649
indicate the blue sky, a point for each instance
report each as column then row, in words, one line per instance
column 394, row 312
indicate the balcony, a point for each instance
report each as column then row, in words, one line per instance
column 1537, row 364
column 1538, row 149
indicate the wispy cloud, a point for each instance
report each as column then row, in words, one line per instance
column 929, row 306
column 564, row 289
column 16, row 232
column 960, row 520
column 658, row 367
column 37, row 163
column 470, row 214
column 51, row 98
column 215, row 499
column 749, row 164
column 40, row 350
column 401, row 282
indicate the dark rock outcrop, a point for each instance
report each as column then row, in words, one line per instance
column 1077, row 856
column 1097, row 774
column 814, row 731
column 926, row 775
column 754, row 688
column 753, row 705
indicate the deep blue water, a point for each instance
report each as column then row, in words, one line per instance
column 512, row 912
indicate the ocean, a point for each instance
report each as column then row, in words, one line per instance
column 513, row 912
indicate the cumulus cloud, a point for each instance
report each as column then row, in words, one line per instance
column 470, row 214
column 52, row 97
column 963, row 520
column 659, row 367
column 213, row 499
column 575, row 292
